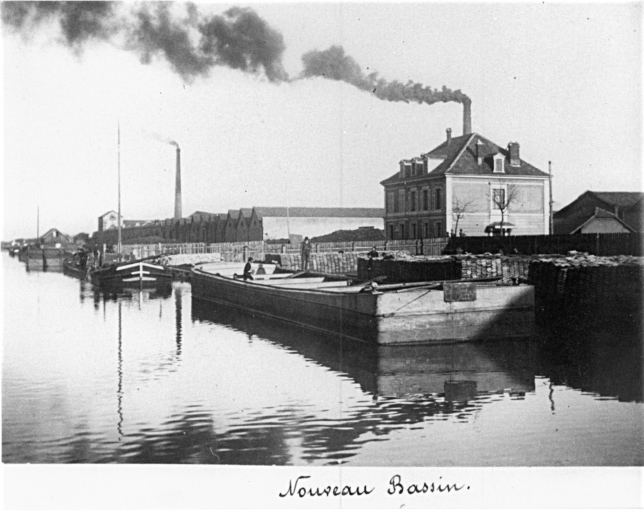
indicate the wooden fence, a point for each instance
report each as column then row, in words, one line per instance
column 599, row 244
column 604, row 244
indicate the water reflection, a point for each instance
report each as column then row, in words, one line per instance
column 602, row 363
column 409, row 385
column 394, row 371
column 147, row 376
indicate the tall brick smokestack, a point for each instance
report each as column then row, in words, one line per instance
column 177, row 192
column 467, row 117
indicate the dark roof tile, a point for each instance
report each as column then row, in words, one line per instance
column 459, row 157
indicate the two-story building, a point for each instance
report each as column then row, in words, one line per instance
column 466, row 185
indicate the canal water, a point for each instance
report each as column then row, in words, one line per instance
column 157, row 377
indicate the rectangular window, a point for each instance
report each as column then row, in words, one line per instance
column 413, row 231
column 390, row 202
column 401, row 201
column 391, row 231
column 425, row 199
column 498, row 199
column 426, row 230
column 413, row 200
column 402, row 231
column 439, row 229
column 439, row 199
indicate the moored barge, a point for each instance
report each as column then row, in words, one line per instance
column 383, row 314
column 143, row 274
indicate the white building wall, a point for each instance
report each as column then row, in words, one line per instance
column 604, row 226
column 280, row 227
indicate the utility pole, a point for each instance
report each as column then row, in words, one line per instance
column 118, row 245
column 550, row 188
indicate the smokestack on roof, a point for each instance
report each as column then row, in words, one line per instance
column 479, row 152
column 467, row 117
column 449, row 137
column 513, row 149
column 177, row 193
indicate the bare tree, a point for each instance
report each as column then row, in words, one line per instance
column 459, row 208
column 502, row 198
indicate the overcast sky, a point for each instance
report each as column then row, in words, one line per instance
column 562, row 80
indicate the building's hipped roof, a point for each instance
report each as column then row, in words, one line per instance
column 459, row 157
column 600, row 213
column 571, row 216
column 303, row 211
column 621, row 199
column 60, row 233
column 109, row 211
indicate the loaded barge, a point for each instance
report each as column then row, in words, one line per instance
column 390, row 314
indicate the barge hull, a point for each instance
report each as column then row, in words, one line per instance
column 417, row 316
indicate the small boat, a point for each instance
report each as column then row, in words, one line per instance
column 384, row 314
column 142, row 273
column 72, row 268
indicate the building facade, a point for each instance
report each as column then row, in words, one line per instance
column 467, row 185
column 248, row 225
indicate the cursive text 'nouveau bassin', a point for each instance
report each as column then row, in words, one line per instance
column 297, row 489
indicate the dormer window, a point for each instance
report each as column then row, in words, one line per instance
column 499, row 161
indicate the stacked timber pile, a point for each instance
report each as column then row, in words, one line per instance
column 177, row 260
column 329, row 262
column 581, row 291
column 435, row 268
column 509, row 268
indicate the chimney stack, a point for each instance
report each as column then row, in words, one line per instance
column 177, row 193
column 449, row 136
column 513, row 149
column 467, row 117
column 479, row 152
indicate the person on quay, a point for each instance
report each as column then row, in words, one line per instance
column 305, row 252
column 260, row 270
column 248, row 270
column 373, row 253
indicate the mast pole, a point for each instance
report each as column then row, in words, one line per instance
column 550, row 190
column 118, row 245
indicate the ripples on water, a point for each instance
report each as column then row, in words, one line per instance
column 155, row 377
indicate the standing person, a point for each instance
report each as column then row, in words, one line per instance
column 247, row 270
column 305, row 252
column 373, row 253
column 95, row 254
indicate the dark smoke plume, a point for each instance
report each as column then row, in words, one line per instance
column 194, row 44
column 242, row 40
column 336, row 65
column 79, row 21
column 156, row 33
column 239, row 38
